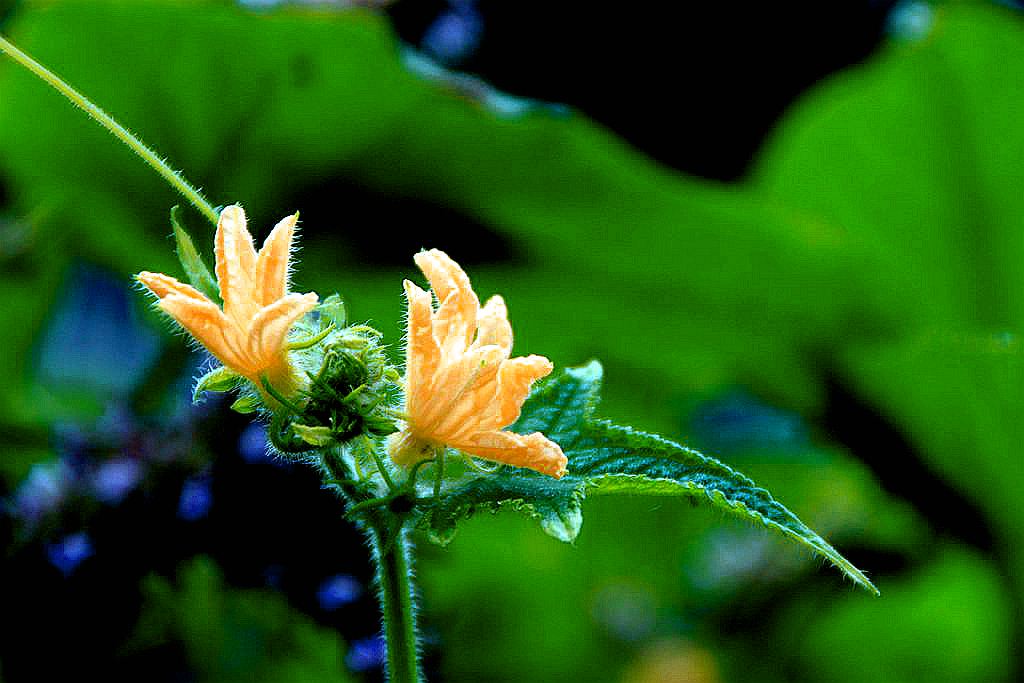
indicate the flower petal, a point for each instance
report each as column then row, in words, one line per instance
column 236, row 265
column 204, row 320
column 534, row 451
column 272, row 262
column 270, row 326
column 422, row 353
column 455, row 318
column 462, row 394
column 493, row 326
column 163, row 285
column 514, row 381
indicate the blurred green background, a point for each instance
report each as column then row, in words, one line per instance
column 794, row 236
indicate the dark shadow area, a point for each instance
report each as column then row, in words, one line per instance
column 694, row 85
column 381, row 230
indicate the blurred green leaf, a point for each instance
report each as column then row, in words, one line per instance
column 608, row 459
column 918, row 153
column 294, row 98
column 960, row 398
column 232, row 636
column 945, row 623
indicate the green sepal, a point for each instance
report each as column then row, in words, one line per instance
column 314, row 436
column 219, row 379
column 605, row 458
column 333, row 308
column 246, row 405
column 198, row 274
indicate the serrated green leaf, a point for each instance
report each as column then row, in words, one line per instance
column 610, row 459
column 198, row 274
column 246, row 405
column 219, row 379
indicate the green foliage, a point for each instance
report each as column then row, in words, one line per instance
column 333, row 309
column 917, row 153
column 608, row 459
column 219, row 379
column 956, row 601
column 195, row 268
column 247, row 405
column 884, row 213
column 296, row 98
column 233, row 636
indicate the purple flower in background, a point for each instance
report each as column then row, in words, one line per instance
column 113, row 480
column 196, row 499
column 366, row 654
column 69, row 552
column 337, row 591
column 42, row 492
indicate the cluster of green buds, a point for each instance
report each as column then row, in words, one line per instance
column 350, row 390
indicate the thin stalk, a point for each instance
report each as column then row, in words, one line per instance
column 176, row 180
column 382, row 468
column 393, row 552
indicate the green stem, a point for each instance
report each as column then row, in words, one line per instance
column 382, row 468
column 393, row 552
column 173, row 177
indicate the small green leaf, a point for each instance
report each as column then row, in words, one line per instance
column 219, row 379
column 198, row 274
column 246, row 405
column 609, row 459
column 314, row 436
column 334, row 309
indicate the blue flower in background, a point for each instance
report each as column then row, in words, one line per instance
column 43, row 491
column 739, row 421
column 911, row 20
column 252, row 445
column 95, row 341
column 338, row 591
column 113, row 480
column 196, row 499
column 366, row 654
column 69, row 552
column 455, row 34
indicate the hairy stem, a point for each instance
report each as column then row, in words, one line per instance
column 393, row 553
column 176, row 180
column 393, row 559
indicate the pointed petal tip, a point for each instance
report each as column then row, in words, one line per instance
column 231, row 217
column 413, row 291
column 164, row 285
column 427, row 254
column 232, row 211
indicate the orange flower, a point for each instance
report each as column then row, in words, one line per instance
column 249, row 335
column 461, row 387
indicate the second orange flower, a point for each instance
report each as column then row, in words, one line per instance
column 462, row 388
